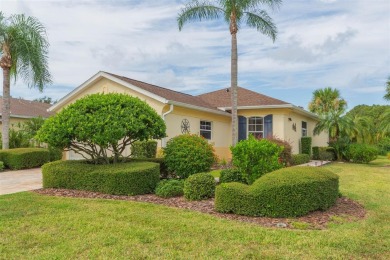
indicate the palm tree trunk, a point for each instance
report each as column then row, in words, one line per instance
column 234, row 79
column 6, row 108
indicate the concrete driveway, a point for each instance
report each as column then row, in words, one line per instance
column 23, row 180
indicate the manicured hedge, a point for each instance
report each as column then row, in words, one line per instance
column 306, row 145
column 144, row 149
column 131, row 178
column 164, row 173
column 287, row 192
column 316, row 152
column 24, row 158
column 300, row 158
column 199, row 186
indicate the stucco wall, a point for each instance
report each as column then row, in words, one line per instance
column 220, row 134
column 294, row 136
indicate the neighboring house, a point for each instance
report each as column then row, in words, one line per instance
column 208, row 114
column 22, row 110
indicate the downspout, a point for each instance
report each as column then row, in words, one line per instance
column 163, row 141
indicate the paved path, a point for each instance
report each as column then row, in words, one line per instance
column 23, row 180
column 315, row 163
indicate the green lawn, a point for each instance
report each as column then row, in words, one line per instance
column 40, row 227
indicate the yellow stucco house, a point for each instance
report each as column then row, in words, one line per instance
column 208, row 114
column 22, row 110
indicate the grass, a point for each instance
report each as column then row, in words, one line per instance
column 41, row 227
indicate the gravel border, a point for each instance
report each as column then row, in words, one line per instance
column 345, row 210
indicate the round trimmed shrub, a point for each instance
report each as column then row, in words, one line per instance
column 188, row 154
column 300, row 158
column 231, row 175
column 325, row 156
column 170, row 188
column 362, row 153
column 199, row 186
column 132, row 178
column 288, row 192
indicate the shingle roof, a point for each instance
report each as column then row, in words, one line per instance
column 246, row 97
column 167, row 93
column 219, row 98
column 27, row 108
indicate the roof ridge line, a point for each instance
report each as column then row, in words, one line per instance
column 150, row 84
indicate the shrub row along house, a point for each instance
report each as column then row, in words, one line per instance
column 208, row 114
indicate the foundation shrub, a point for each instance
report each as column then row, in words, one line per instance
column 306, row 145
column 132, row 178
column 188, row 154
column 300, row 158
column 199, row 186
column 288, row 192
column 286, row 154
column 164, row 173
column 255, row 157
column 316, row 153
column 24, row 158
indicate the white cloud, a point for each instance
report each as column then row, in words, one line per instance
column 343, row 44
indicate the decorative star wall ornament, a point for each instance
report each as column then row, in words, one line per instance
column 185, row 126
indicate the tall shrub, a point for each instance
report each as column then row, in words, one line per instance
column 98, row 124
column 188, row 154
column 255, row 157
column 286, row 154
column 306, row 145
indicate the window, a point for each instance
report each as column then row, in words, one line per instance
column 256, row 126
column 205, row 129
column 304, row 128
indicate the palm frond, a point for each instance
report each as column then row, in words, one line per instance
column 256, row 4
column 198, row 11
column 29, row 50
column 262, row 22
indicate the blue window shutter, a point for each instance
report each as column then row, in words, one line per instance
column 268, row 126
column 241, row 128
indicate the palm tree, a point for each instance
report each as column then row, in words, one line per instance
column 387, row 95
column 23, row 48
column 327, row 100
column 336, row 125
column 234, row 13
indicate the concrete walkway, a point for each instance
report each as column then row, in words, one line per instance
column 23, row 180
column 315, row 163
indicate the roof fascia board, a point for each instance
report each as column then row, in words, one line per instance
column 98, row 76
column 257, row 107
column 180, row 104
column 295, row 108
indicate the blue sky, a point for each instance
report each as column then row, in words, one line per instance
column 339, row 43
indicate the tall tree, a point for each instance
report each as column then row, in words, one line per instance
column 234, row 13
column 24, row 49
column 387, row 95
column 327, row 100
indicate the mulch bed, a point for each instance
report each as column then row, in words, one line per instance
column 345, row 210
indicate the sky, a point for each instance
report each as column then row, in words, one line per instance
column 343, row 44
